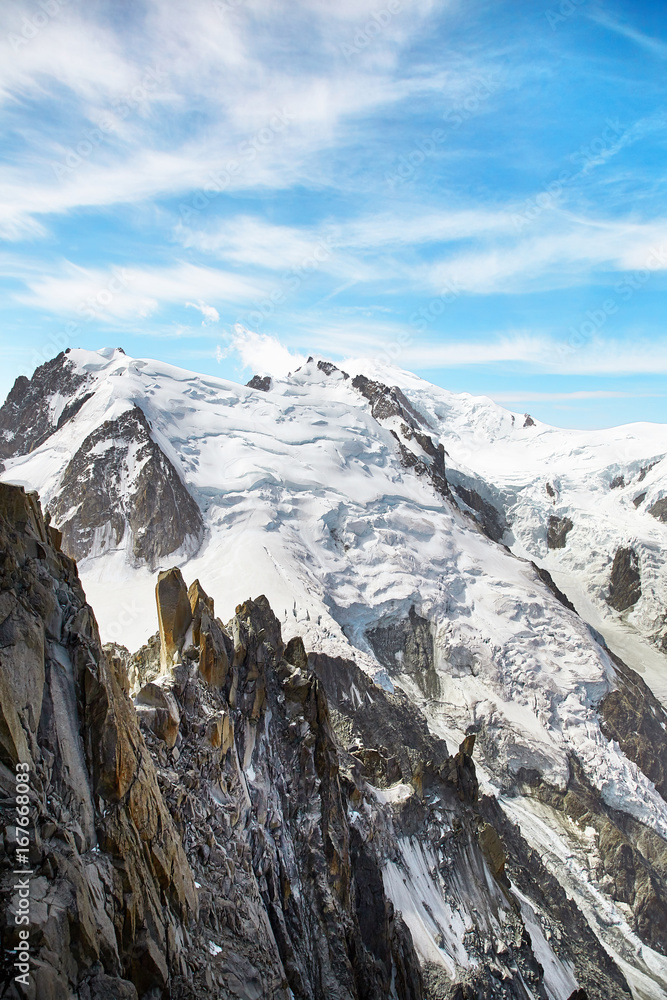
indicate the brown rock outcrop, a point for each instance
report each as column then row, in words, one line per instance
column 157, row 708
column 659, row 510
column 111, row 892
column 174, row 616
column 209, row 634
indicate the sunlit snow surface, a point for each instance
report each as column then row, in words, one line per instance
column 305, row 500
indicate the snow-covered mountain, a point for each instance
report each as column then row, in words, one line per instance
column 443, row 543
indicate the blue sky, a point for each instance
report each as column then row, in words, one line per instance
column 473, row 190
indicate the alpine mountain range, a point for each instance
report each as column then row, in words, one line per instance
column 369, row 700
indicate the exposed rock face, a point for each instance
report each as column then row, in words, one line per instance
column 491, row 520
column 436, row 786
column 120, row 483
column 216, row 648
column 329, row 368
column 290, row 900
column 629, row 859
column 408, row 646
column 158, row 711
column 558, row 529
column 546, row 577
column 35, row 408
column 144, row 665
column 557, row 916
column 634, row 717
column 111, row 890
column 625, row 583
column 263, row 383
column 174, row 616
column 335, row 842
column 659, row 510
column 388, row 402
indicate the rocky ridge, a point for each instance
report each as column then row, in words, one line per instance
column 111, row 893
column 119, row 489
column 37, row 407
column 247, row 828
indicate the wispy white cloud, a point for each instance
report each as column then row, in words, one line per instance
column 262, row 121
column 476, row 251
column 125, row 293
column 542, row 354
column 253, row 241
column 653, row 45
column 522, row 350
column 563, row 251
column 210, row 313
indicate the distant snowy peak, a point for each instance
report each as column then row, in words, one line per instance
column 118, row 491
column 37, row 407
column 569, row 500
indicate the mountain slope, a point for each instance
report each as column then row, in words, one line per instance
column 235, row 834
column 327, row 491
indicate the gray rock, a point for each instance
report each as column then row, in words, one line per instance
column 92, row 508
column 625, row 581
column 558, row 529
